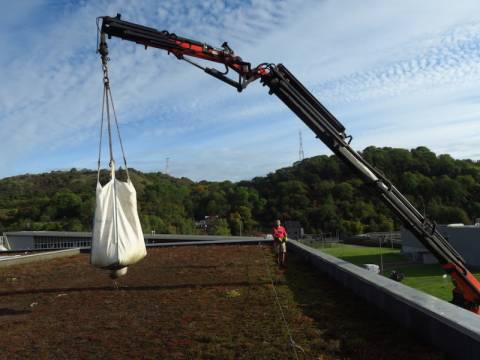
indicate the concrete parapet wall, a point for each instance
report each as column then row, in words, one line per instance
column 24, row 259
column 446, row 326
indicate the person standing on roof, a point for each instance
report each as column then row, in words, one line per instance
column 279, row 242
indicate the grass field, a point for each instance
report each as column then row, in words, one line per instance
column 428, row 278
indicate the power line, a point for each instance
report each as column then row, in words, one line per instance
column 167, row 165
column 301, row 154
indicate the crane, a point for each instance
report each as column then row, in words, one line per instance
column 283, row 84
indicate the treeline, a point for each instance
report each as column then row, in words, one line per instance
column 320, row 192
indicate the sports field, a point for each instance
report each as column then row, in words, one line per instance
column 429, row 278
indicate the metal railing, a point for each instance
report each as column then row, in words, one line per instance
column 324, row 239
column 387, row 238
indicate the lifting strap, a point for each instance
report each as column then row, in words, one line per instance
column 108, row 108
column 117, row 239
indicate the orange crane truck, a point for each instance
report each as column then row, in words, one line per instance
column 327, row 128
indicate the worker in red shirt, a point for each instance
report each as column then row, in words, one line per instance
column 279, row 242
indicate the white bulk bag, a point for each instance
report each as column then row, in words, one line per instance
column 117, row 234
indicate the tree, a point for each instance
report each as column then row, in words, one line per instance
column 450, row 189
column 219, row 227
column 343, row 191
column 445, row 165
column 235, row 223
column 66, row 204
column 424, row 160
column 321, row 192
column 352, row 227
column 450, row 214
column 385, row 223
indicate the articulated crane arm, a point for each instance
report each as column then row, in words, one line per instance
column 327, row 128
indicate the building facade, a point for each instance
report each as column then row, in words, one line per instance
column 294, row 229
column 54, row 240
column 47, row 240
column 464, row 238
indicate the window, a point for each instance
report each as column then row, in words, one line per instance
column 60, row 242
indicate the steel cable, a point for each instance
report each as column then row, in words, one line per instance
column 292, row 342
column 101, row 137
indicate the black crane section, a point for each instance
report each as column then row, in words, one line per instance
column 326, row 127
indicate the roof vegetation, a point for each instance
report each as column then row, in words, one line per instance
column 211, row 302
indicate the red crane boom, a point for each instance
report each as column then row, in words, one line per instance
column 328, row 129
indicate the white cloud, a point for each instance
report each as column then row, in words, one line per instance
column 384, row 68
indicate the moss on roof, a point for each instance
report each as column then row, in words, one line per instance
column 211, row 302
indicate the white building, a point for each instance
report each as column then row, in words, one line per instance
column 44, row 240
column 48, row 240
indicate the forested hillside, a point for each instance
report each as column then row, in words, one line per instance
column 320, row 192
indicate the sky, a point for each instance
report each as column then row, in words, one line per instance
column 395, row 73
